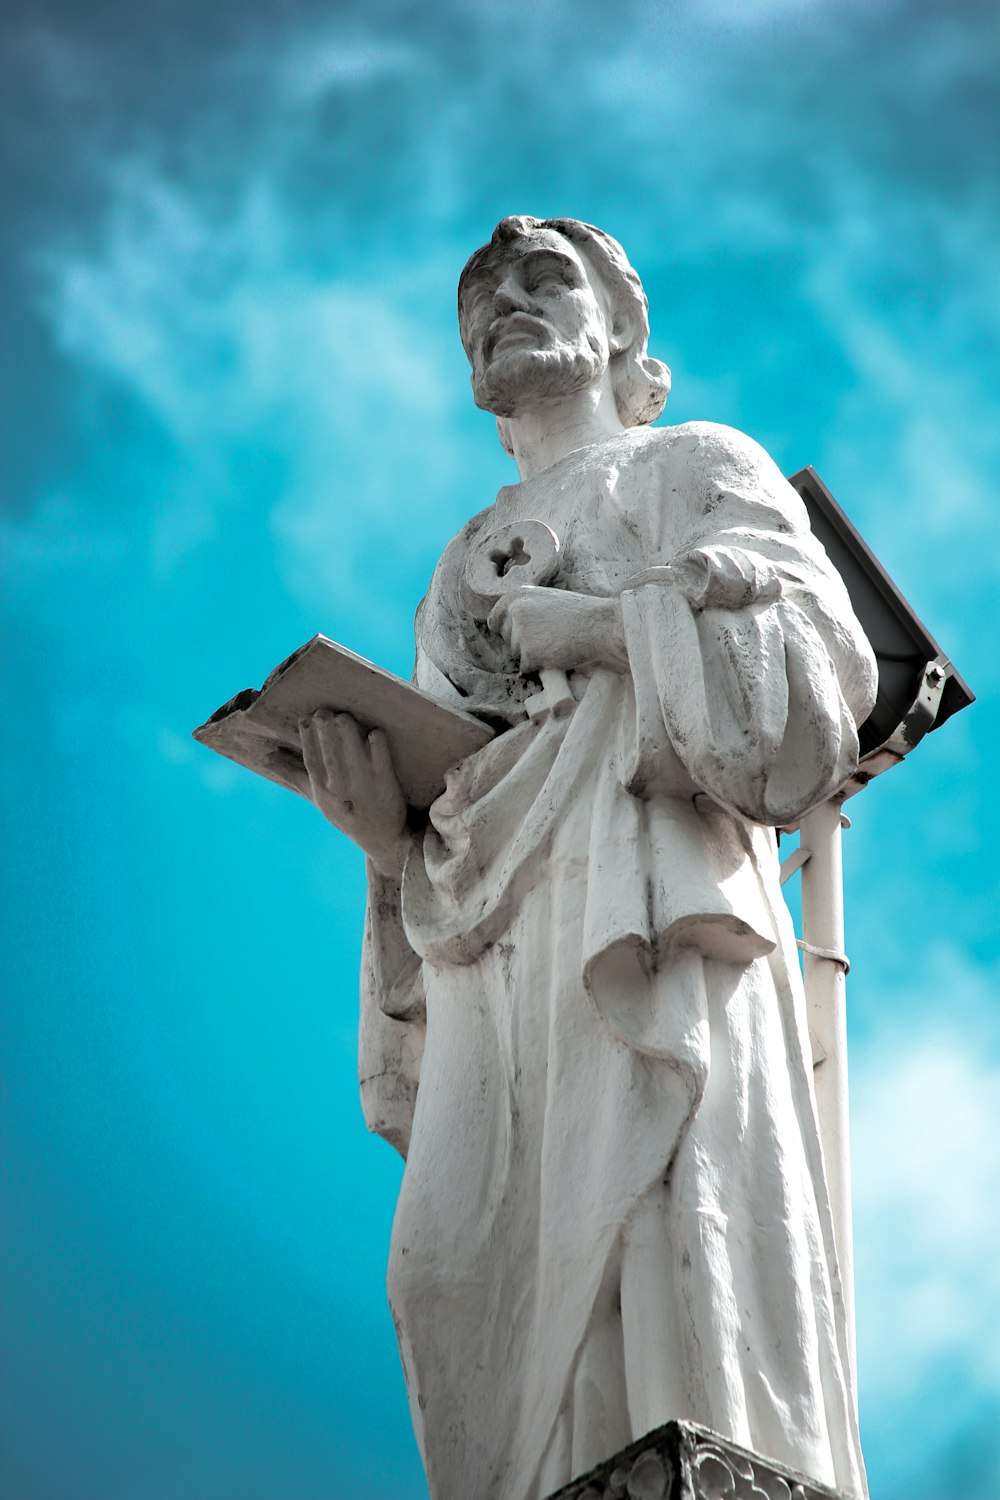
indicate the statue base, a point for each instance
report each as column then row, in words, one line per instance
column 680, row 1461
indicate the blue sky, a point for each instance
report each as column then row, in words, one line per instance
column 236, row 412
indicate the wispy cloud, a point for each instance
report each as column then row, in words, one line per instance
column 920, row 363
column 927, row 1212
column 321, row 64
column 237, row 349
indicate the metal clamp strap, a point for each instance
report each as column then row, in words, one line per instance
column 831, row 954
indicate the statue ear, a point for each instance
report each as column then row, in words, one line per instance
column 620, row 334
column 503, row 433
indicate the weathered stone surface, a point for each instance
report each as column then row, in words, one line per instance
column 683, row 1462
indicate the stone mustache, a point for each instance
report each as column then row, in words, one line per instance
column 582, row 1015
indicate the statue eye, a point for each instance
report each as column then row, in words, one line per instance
column 546, row 279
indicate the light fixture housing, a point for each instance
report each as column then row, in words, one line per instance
column 919, row 686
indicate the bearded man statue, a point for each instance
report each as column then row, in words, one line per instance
column 583, row 1018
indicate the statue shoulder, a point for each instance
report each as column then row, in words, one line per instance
column 709, row 458
column 440, row 603
column 452, row 560
column 709, row 443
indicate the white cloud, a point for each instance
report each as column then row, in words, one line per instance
column 926, row 1155
column 917, row 367
column 205, row 317
column 312, row 67
column 235, row 349
column 927, row 1182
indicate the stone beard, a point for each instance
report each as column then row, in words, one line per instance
column 583, row 1021
column 512, row 378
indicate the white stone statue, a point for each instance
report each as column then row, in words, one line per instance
column 583, row 1020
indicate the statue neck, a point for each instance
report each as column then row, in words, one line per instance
column 550, row 430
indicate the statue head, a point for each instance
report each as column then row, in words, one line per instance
column 546, row 308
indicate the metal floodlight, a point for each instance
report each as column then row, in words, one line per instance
column 918, row 687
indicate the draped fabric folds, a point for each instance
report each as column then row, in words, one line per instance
column 582, row 1012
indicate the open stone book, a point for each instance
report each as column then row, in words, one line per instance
column 259, row 729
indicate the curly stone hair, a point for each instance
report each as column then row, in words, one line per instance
column 641, row 384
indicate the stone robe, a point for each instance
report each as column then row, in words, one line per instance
column 583, row 1019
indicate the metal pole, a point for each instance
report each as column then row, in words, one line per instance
column 825, row 971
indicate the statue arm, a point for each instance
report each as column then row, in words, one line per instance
column 353, row 783
column 393, row 1016
column 748, row 662
column 393, row 1010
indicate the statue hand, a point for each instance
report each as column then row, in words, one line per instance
column 547, row 627
column 353, row 783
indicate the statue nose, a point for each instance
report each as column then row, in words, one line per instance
column 509, row 297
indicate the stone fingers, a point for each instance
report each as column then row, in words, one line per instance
column 312, row 753
column 383, row 770
column 335, row 758
column 504, row 620
column 499, row 618
column 346, row 761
